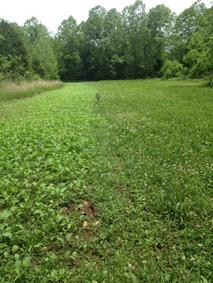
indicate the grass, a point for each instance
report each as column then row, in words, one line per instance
column 16, row 90
column 109, row 191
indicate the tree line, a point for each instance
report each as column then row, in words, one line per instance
column 112, row 45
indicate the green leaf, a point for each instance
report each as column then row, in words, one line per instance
column 27, row 261
column 5, row 214
column 15, row 249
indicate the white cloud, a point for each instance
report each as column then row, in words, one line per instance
column 53, row 12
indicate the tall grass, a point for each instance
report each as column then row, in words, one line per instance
column 14, row 90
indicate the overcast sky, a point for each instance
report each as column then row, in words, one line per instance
column 53, row 12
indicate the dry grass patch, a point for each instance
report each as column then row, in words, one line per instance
column 15, row 90
column 14, row 87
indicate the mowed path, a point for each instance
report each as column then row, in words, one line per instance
column 114, row 191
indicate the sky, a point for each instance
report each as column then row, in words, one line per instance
column 52, row 12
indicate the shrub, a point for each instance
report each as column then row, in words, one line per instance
column 209, row 80
column 172, row 69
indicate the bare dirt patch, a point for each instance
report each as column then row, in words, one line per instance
column 85, row 208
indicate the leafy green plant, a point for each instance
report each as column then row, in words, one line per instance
column 172, row 69
column 209, row 80
column 115, row 191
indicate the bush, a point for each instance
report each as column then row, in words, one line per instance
column 209, row 80
column 172, row 69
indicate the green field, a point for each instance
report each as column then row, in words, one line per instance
column 112, row 191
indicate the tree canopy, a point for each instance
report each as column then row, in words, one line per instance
column 134, row 43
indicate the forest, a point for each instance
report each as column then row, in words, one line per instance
column 133, row 44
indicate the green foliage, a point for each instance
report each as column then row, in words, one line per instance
column 192, row 40
column 209, row 80
column 4, row 67
column 68, row 50
column 44, row 61
column 186, row 24
column 134, row 43
column 14, row 56
column 115, row 191
column 200, row 55
column 93, row 53
column 113, row 45
column 160, row 20
column 172, row 69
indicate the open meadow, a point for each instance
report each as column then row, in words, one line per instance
column 116, row 189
